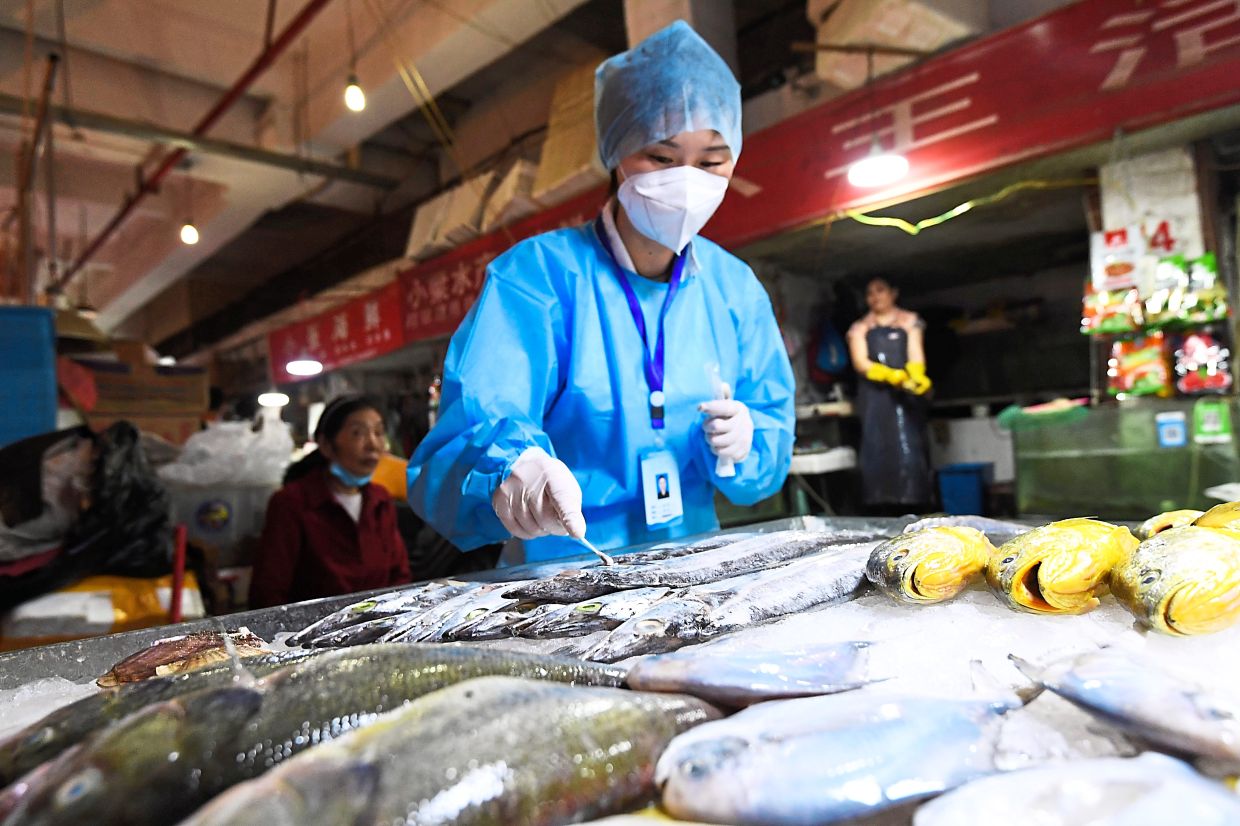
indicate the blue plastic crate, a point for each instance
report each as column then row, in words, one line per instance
column 962, row 488
column 27, row 372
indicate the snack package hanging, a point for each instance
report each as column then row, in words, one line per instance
column 1206, row 300
column 1111, row 312
column 1165, row 302
column 1202, row 364
column 1138, row 367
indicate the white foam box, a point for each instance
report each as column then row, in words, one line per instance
column 569, row 163
column 926, row 25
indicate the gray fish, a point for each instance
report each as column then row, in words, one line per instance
column 827, row 759
column 1138, row 697
column 598, row 614
column 666, row 626
column 997, row 531
column 715, row 608
column 498, row 625
column 493, row 750
column 395, row 603
column 737, row 678
column 832, row 575
column 756, row 553
column 421, row 625
column 46, row 738
column 161, row 763
column 1148, row 790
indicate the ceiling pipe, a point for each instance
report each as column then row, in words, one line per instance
column 148, row 185
column 99, row 122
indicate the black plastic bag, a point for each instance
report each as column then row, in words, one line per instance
column 126, row 530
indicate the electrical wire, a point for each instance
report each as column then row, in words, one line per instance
column 961, row 209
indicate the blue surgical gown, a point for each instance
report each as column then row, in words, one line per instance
column 550, row 355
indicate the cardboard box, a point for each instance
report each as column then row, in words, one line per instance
column 462, row 220
column 424, row 234
column 926, row 25
column 147, row 391
column 513, row 198
column 570, row 163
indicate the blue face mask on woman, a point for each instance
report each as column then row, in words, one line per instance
column 349, row 479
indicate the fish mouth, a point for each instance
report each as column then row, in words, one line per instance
column 1032, row 589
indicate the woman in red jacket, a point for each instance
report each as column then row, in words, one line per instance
column 329, row 531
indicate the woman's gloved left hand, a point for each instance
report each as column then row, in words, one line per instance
column 728, row 428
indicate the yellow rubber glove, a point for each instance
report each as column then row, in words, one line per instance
column 883, row 374
column 918, row 382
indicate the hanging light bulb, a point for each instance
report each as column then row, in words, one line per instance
column 354, row 97
column 304, row 367
column 189, row 233
column 878, row 168
column 272, row 398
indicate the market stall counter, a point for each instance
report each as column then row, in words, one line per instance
column 808, row 670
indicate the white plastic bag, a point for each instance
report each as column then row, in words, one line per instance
column 230, row 453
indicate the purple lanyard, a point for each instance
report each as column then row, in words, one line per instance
column 653, row 366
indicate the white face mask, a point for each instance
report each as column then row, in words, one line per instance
column 670, row 205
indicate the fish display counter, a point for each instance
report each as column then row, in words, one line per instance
column 951, row 670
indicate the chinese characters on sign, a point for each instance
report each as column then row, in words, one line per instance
column 358, row 330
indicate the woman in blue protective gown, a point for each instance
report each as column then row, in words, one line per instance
column 600, row 358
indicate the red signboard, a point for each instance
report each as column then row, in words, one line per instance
column 361, row 329
column 1065, row 80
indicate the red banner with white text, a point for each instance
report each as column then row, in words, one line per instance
column 1062, row 81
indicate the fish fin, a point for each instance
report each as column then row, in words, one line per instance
column 1027, row 693
column 1003, row 696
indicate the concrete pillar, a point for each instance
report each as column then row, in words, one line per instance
column 712, row 19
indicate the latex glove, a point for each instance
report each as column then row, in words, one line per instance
column 540, row 497
column 728, row 428
column 883, row 374
column 918, row 382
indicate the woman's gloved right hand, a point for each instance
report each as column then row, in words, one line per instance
column 883, row 374
column 540, row 497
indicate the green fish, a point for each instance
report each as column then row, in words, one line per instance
column 494, row 750
column 160, row 764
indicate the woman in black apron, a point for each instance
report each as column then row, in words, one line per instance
column 888, row 354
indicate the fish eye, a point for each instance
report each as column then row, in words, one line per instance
column 649, row 626
column 590, row 607
column 900, row 554
column 363, row 606
column 696, row 768
column 477, row 612
column 1009, row 560
column 78, row 786
column 1149, row 580
column 40, row 738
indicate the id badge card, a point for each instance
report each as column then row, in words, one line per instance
column 661, row 488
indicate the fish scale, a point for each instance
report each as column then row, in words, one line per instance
column 493, row 750
column 162, row 762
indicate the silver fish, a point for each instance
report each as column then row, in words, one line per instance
column 1148, row 790
column 422, row 625
column 497, row 625
column 394, row 603
column 598, row 614
column 487, row 751
column 756, row 553
column 817, row 580
column 1140, row 698
column 737, row 678
column 827, row 759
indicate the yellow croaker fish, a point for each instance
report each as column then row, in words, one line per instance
column 1184, row 581
column 930, row 565
column 1226, row 515
column 1059, row 568
column 1166, row 521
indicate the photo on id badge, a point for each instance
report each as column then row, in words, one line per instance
column 661, row 488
